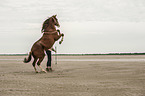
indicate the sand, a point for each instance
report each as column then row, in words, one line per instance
column 74, row 76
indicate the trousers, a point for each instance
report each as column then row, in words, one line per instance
column 48, row 52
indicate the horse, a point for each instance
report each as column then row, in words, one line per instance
column 50, row 35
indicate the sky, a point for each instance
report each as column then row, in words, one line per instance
column 90, row 26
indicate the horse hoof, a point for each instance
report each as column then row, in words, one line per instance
column 58, row 30
column 60, row 42
column 36, row 71
column 45, row 71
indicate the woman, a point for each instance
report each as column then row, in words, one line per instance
column 48, row 65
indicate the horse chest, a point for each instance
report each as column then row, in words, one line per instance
column 47, row 39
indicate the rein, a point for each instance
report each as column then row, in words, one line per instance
column 50, row 32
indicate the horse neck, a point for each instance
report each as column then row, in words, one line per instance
column 51, row 27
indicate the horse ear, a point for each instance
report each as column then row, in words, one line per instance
column 55, row 15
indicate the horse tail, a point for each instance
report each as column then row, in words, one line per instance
column 26, row 60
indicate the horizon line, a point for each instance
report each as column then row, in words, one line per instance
column 68, row 54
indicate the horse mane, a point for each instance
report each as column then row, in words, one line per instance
column 45, row 24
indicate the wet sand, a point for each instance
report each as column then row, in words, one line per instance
column 74, row 76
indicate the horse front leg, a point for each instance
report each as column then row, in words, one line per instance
column 58, row 31
column 61, row 39
column 60, row 35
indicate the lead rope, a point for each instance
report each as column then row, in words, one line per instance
column 55, row 55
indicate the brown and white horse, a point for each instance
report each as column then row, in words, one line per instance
column 50, row 35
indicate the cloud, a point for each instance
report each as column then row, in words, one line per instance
column 97, row 22
column 78, row 10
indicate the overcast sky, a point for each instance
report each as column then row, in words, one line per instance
column 90, row 26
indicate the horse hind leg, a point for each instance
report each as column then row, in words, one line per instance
column 34, row 62
column 39, row 62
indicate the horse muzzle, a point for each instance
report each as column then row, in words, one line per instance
column 57, row 25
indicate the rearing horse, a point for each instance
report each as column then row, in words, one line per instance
column 50, row 35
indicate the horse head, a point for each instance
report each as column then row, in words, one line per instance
column 55, row 20
column 50, row 21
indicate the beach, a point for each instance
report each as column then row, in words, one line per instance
column 101, row 75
